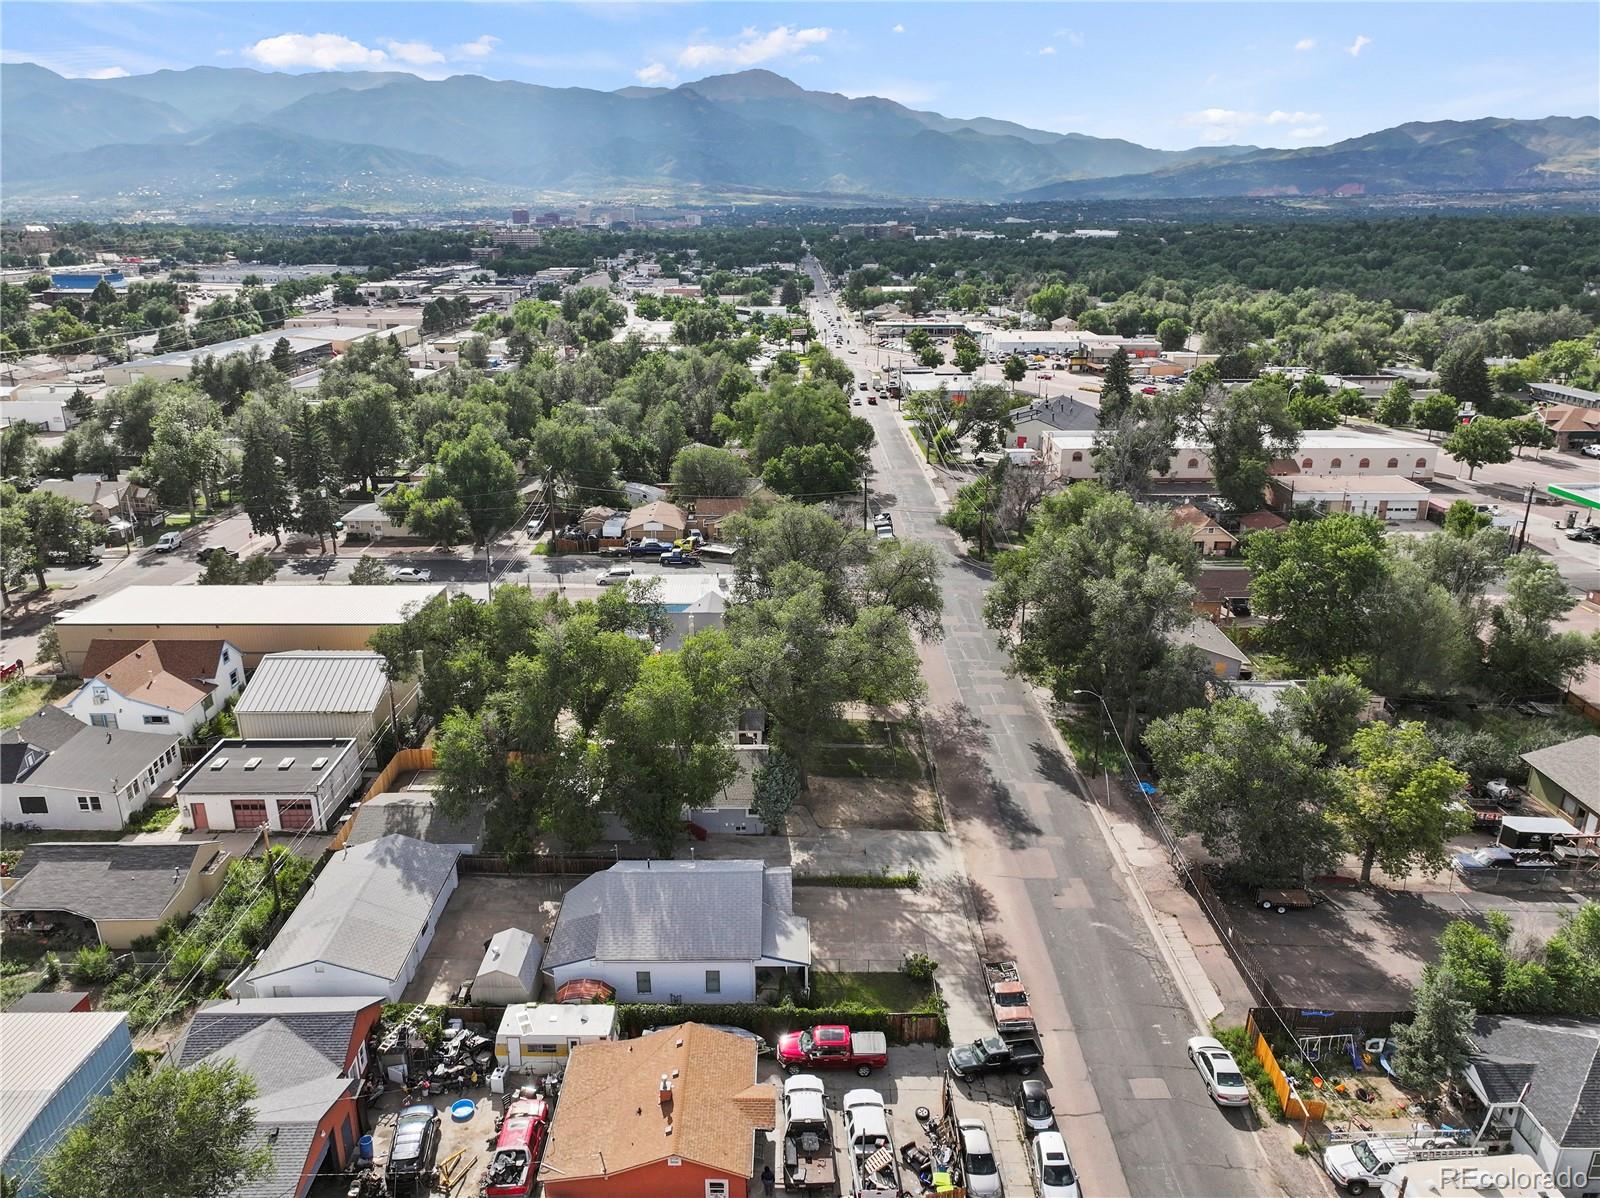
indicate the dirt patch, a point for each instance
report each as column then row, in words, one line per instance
column 481, row 906
column 873, row 803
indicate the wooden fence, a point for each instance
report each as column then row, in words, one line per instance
column 403, row 762
column 1294, row 1106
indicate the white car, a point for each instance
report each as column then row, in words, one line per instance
column 982, row 1171
column 615, row 574
column 1220, row 1072
column 1590, row 451
column 411, row 574
column 1052, row 1166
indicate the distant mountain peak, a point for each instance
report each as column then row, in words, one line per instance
column 753, row 84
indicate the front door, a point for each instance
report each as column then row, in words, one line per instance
column 202, row 821
column 513, row 1052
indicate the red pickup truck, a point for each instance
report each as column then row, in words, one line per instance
column 833, row 1046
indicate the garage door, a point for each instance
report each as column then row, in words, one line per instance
column 294, row 813
column 249, row 813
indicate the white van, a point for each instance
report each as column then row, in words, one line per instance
column 168, row 541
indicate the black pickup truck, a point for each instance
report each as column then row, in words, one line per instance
column 994, row 1055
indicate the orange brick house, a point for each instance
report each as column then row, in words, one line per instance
column 671, row 1115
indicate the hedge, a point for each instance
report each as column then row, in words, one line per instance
column 770, row 1022
column 910, row 880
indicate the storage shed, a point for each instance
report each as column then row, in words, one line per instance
column 510, row 969
column 536, row 1037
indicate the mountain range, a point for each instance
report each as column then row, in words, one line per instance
column 207, row 135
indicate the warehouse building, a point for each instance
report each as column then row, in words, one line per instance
column 308, row 346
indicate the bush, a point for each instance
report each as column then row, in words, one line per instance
column 1241, row 1044
column 919, row 967
column 767, row 1021
column 910, row 880
column 52, row 969
column 94, row 963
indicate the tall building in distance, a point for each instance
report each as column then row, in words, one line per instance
column 519, row 216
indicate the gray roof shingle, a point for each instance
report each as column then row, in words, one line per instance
column 109, row 880
column 413, row 813
column 672, row 911
column 1573, row 766
column 100, row 760
column 1561, row 1057
column 365, row 910
column 327, row 1025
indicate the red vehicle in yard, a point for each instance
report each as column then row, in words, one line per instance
column 12, row 669
column 833, row 1046
column 518, row 1149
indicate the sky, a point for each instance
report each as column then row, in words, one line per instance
column 1166, row 75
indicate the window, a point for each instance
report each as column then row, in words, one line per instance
column 233, row 677
column 1077, row 455
column 1363, row 464
column 1394, row 463
column 207, row 703
column 713, row 981
column 225, row 656
column 1193, row 464
column 1305, row 463
column 1422, row 463
column 158, row 719
column 34, row 805
column 1336, row 463
column 88, row 802
column 641, row 981
column 102, row 719
column 717, row 1189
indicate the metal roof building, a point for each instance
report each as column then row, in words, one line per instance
column 52, row 1064
column 323, row 692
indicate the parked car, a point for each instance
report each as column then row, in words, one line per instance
column 1033, row 1099
column 1589, row 532
column 978, row 1165
column 678, row 558
column 1220, row 1072
column 416, row 1139
column 994, row 1055
column 614, row 574
column 650, row 547
column 518, row 1149
column 411, row 574
column 168, row 541
column 1590, row 451
column 1491, row 857
column 1008, row 998
column 211, row 551
column 833, row 1046
column 1051, row 1165
column 77, row 555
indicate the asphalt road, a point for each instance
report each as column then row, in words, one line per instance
column 1049, row 893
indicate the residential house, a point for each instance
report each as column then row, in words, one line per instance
column 675, row 1114
column 369, row 520
column 1542, row 1077
column 363, row 926
column 269, row 782
column 659, row 519
column 1226, row 659
column 1566, row 778
column 705, row 515
column 345, row 693
column 259, row 620
column 1222, row 591
column 1262, row 521
column 1207, row 536
column 1031, row 422
column 107, row 501
column 683, row 931
column 156, row 686
column 61, row 773
column 308, row 1058
column 56, row 1064
column 125, row 889
column 594, row 520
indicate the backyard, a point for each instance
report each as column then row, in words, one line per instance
column 889, row 991
column 22, row 698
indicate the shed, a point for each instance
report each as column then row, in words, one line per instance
column 509, row 972
column 537, row 1037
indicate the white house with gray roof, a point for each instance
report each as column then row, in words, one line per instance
column 362, row 928
column 682, row 931
column 58, row 773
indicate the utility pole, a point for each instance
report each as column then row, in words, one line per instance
column 863, row 501
column 1527, row 512
column 272, row 871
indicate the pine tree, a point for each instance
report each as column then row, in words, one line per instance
column 264, row 492
column 282, row 357
column 1438, row 1041
column 316, row 490
column 1394, row 409
column 1116, row 393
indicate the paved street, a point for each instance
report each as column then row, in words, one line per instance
column 1050, row 893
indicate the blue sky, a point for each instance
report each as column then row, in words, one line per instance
column 1164, row 75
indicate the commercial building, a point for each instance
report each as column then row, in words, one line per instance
column 1558, row 393
column 889, row 230
column 261, row 782
column 1574, row 424
column 53, row 1065
column 1333, row 452
column 1364, row 495
column 259, row 620
column 324, row 692
column 518, row 238
column 307, row 346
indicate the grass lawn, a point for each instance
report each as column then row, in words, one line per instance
column 19, row 700
column 891, row 991
column 1092, row 749
column 154, row 818
column 871, row 749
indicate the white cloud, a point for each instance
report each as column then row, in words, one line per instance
column 480, row 48
column 1231, row 124
column 1361, row 43
column 107, row 73
column 898, row 29
column 752, row 48
column 319, row 51
column 654, row 75
column 1218, row 116
column 1047, row 50
column 416, row 54
column 1071, row 36
column 1279, row 117
column 1306, row 43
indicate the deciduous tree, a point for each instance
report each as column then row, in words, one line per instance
column 1396, row 805
column 1483, row 442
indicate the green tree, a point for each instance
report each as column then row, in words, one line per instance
column 1049, row 303
column 1465, row 563
column 1418, row 638
column 1530, row 433
column 985, row 416
column 1463, row 372
column 1327, row 709
column 314, row 481
column 777, row 787
column 1437, row 1043
column 974, row 514
column 930, row 357
column 1116, row 390
column 263, row 489
column 372, row 433
column 1172, row 333
column 1397, row 802
column 1394, row 409
column 1526, row 654
column 1131, row 450
column 474, row 352
column 163, row 1133
column 1315, row 584
column 1481, row 443
column 1462, row 519
column 369, row 572
column 479, row 475
column 223, row 569
column 1437, row 413
column 1251, row 788
column 575, row 459
column 1314, row 411
column 1244, row 431
column 966, row 354
column 1014, row 370
column 43, row 523
column 706, row 472
column 187, row 455
column 282, row 356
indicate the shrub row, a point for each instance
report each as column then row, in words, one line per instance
column 910, row 880
column 770, row 1022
